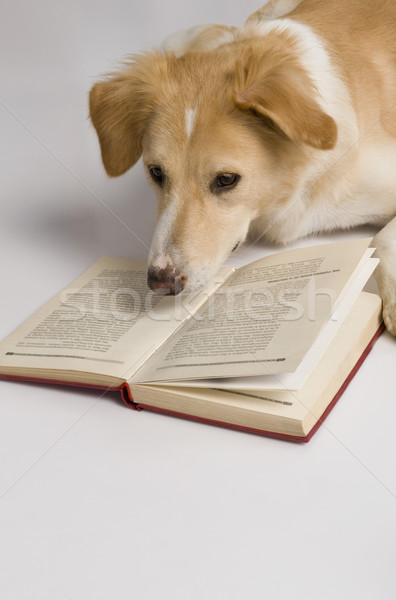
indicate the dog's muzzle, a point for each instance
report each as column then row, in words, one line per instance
column 168, row 281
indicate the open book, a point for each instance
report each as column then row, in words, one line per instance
column 267, row 348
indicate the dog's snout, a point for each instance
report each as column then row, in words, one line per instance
column 168, row 281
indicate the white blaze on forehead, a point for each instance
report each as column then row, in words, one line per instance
column 190, row 120
column 159, row 251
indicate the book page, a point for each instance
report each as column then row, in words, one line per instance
column 294, row 381
column 263, row 320
column 107, row 321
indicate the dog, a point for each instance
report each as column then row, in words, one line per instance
column 283, row 127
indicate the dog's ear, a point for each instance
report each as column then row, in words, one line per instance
column 283, row 93
column 119, row 109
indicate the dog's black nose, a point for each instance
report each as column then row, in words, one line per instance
column 168, row 281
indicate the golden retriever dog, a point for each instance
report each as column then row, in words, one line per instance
column 283, row 127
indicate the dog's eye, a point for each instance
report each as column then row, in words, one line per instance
column 157, row 175
column 225, row 181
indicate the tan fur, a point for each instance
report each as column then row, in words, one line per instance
column 311, row 135
column 361, row 35
column 280, row 89
column 123, row 104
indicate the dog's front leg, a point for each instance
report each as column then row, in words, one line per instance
column 385, row 273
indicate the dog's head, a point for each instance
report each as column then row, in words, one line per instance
column 224, row 134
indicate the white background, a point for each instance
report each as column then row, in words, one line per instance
column 97, row 501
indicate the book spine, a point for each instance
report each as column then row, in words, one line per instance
column 127, row 397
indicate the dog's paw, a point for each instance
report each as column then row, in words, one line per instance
column 385, row 273
column 387, row 288
column 389, row 314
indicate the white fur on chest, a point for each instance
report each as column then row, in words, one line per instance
column 361, row 190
